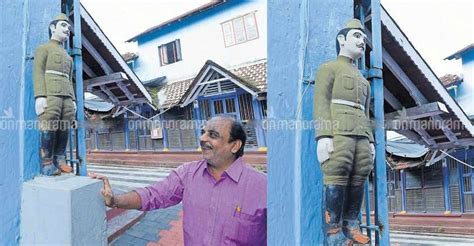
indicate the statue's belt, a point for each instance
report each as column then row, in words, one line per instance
column 348, row 103
column 57, row 73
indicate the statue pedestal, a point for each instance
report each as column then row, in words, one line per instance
column 63, row 210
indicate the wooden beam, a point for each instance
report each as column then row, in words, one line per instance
column 391, row 99
column 109, row 94
column 426, row 110
column 459, row 144
column 88, row 70
column 91, row 49
column 106, row 79
column 398, row 72
column 88, row 19
column 125, row 90
column 400, row 37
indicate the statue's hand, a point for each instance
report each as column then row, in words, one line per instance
column 40, row 105
column 106, row 191
column 75, row 106
column 372, row 150
column 325, row 148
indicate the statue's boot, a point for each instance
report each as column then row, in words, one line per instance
column 60, row 151
column 46, row 153
column 351, row 227
column 335, row 195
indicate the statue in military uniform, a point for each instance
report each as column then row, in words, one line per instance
column 54, row 97
column 345, row 146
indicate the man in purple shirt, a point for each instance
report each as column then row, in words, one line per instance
column 224, row 200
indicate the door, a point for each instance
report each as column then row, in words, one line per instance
column 225, row 106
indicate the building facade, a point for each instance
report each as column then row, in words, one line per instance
column 208, row 61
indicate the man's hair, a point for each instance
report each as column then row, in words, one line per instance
column 344, row 33
column 54, row 23
column 237, row 132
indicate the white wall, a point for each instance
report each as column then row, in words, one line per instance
column 203, row 40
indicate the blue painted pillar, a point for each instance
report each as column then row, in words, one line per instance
column 403, row 190
column 380, row 179
column 446, row 191
column 257, row 114
column 301, row 36
column 166, row 145
column 77, row 52
column 197, row 120
column 126, row 131
column 461, row 186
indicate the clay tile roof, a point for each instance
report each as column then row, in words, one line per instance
column 256, row 74
column 174, row 91
column 450, row 79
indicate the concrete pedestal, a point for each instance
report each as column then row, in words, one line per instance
column 64, row 210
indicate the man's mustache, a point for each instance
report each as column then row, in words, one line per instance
column 205, row 145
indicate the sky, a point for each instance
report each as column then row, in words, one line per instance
column 437, row 28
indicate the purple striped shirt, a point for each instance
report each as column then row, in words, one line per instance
column 229, row 211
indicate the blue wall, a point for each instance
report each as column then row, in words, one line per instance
column 301, row 36
column 24, row 25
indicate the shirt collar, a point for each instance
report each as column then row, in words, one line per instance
column 234, row 171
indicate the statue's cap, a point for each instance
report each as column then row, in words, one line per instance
column 354, row 24
column 61, row 17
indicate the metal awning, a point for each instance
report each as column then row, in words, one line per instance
column 213, row 79
column 403, row 153
column 105, row 72
column 413, row 92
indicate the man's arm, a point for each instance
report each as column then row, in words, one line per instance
column 163, row 194
column 129, row 200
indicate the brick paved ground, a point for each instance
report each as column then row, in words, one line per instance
column 158, row 227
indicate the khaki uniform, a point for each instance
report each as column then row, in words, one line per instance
column 52, row 78
column 341, row 107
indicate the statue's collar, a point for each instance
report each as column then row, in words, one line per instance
column 345, row 59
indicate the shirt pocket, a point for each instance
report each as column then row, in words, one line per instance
column 245, row 229
column 347, row 82
column 346, row 120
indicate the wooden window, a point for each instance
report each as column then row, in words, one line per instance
column 240, row 29
column 170, row 52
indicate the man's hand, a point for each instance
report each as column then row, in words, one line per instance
column 325, row 148
column 372, row 150
column 40, row 105
column 106, row 191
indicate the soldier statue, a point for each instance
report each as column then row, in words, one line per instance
column 54, row 97
column 345, row 146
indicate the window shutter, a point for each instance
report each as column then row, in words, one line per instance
column 228, row 33
column 178, row 50
column 239, row 30
column 251, row 26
